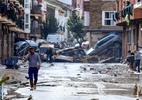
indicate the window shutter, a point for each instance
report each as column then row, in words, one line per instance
column 103, row 18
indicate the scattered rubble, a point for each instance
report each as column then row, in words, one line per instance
column 76, row 80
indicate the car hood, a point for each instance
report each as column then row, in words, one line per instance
column 90, row 51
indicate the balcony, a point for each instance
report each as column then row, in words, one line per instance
column 138, row 4
column 10, row 18
column 35, row 30
column 36, row 11
column 9, row 22
column 18, row 3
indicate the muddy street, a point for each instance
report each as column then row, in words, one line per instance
column 70, row 81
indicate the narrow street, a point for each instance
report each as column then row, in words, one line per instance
column 70, row 81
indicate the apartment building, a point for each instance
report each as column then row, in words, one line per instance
column 11, row 25
column 98, row 19
column 129, row 15
column 61, row 12
column 34, row 18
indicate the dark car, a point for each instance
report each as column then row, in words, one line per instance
column 112, row 39
column 43, row 49
column 78, row 54
column 21, row 48
column 60, row 51
column 74, row 52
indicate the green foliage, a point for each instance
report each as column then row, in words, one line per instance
column 51, row 26
column 75, row 25
column 71, row 39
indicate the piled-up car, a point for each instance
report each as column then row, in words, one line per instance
column 78, row 54
column 21, row 48
column 43, row 49
column 107, row 47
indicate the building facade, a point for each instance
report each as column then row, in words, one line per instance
column 37, row 16
column 61, row 12
column 98, row 19
column 78, row 5
column 11, row 25
column 129, row 15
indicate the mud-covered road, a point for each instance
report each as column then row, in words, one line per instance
column 70, row 81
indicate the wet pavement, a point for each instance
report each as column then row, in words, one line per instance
column 74, row 81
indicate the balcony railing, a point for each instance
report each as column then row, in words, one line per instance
column 36, row 10
column 10, row 17
column 20, row 23
column 35, row 31
column 138, row 4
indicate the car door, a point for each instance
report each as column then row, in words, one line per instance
column 103, row 44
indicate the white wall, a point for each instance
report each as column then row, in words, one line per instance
column 86, row 18
column 27, row 23
column 62, row 22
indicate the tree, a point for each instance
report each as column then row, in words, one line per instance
column 75, row 25
column 50, row 26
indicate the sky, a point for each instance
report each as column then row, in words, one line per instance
column 66, row 1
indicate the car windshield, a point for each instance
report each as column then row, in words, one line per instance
column 43, row 50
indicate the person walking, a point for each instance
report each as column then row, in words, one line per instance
column 130, row 59
column 137, row 59
column 34, row 66
column 49, row 54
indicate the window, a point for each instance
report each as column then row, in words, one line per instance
column 26, row 25
column 129, row 36
column 26, row 1
column 27, row 18
column 27, row 4
column 107, row 18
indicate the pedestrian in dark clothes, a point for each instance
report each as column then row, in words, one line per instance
column 34, row 66
column 49, row 54
column 131, row 60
